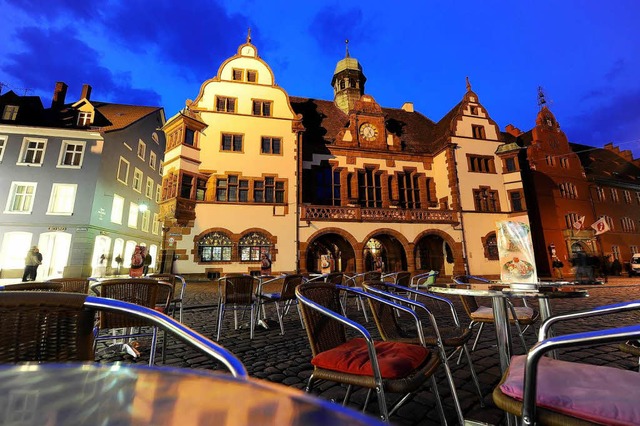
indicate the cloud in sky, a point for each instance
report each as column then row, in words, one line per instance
column 331, row 26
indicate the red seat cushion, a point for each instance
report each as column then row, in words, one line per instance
column 396, row 360
column 596, row 393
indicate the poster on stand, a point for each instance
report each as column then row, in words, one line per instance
column 515, row 248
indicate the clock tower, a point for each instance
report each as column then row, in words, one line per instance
column 348, row 82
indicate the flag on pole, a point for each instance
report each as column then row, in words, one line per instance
column 578, row 224
column 600, row 226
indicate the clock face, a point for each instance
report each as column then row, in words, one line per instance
column 368, row 131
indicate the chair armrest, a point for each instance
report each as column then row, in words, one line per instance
column 600, row 310
column 183, row 286
column 568, row 340
column 198, row 341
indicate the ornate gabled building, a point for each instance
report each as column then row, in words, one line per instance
column 249, row 170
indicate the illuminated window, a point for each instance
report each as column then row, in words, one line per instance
column 214, row 247
column 123, row 171
column 145, row 220
column 3, row 144
column 148, row 190
column 137, row 180
column 21, row 197
column 117, row 208
column 156, row 224
column 10, row 112
column 614, row 195
column 134, row 209
column 63, row 198
column 142, row 150
column 84, row 118
column 627, row 196
column 252, row 246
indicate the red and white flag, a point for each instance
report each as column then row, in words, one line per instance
column 600, row 226
column 578, row 224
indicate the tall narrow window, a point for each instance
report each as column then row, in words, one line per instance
column 71, row 154
column 155, row 228
column 117, row 208
column 201, row 189
column 189, row 137
column 148, row 189
column 369, row 188
column 123, row 171
column 335, row 184
column 21, row 197
column 600, row 193
column 478, row 132
column 137, row 180
column 132, row 222
column 142, row 150
column 227, row 189
column 63, row 198
column 408, row 190
column 3, row 144
column 486, row 200
column 186, row 184
column 152, row 160
column 517, row 204
column 627, row 196
column 614, row 195
column 145, row 220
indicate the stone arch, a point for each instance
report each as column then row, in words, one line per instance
column 337, row 242
column 438, row 254
column 396, row 254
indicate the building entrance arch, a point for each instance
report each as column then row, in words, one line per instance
column 389, row 248
column 431, row 253
column 343, row 256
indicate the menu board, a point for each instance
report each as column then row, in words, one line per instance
column 515, row 248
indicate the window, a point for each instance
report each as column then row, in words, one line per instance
column 564, row 162
column 189, row 137
column 473, row 109
column 227, row 189
column 369, row 188
column 156, row 224
column 268, row 191
column 142, row 150
column 10, row 112
column 132, row 222
column 145, row 220
column 225, row 104
column 148, row 190
column 21, row 197
column 627, row 196
column 117, row 208
column 628, row 224
column 481, row 164
column 326, row 185
column 478, row 132
column 262, row 108
column 201, row 189
column 271, row 145
column 568, row 190
column 186, row 185
column 549, row 160
column 408, row 190
column 84, row 118
column 32, row 151
column 158, row 192
column 615, row 251
column 238, row 74
column 600, row 193
column 14, row 245
column 123, row 171
column 252, row 246
column 63, row 198
column 231, row 142
column 517, row 201
column 490, row 244
column 510, row 165
column 633, row 249
column 3, row 144
column 252, row 76
column 214, row 247
column 71, row 154
column 570, row 219
column 614, row 195
column 152, row 160
column 137, row 180
column 486, row 200
column 609, row 221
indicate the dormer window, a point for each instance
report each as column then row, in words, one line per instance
column 10, row 112
column 252, row 76
column 84, row 119
column 237, row 75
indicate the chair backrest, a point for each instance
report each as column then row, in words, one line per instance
column 431, row 278
column 384, row 315
column 72, row 285
column 324, row 333
column 334, row 278
column 289, row 285
column 33, row 286
column 140, row 291
column 469, row 304
column 238, row 289
column 45, row 327
column 403, row 278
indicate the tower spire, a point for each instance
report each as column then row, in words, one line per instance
column 249, row 36
column 541, row 100
column 346, row 43
column 468, row 84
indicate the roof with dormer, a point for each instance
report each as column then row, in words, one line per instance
column 607, row 166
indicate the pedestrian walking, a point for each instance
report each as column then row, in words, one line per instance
column 557, row 268
column 146, row 263
column 31, row 263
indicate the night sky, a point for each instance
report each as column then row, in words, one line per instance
column 584, row 53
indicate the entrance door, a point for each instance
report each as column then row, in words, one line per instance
column 55, row 248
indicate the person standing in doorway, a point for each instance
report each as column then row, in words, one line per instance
column 146, row 264
column 31, row 263
column 378, row 265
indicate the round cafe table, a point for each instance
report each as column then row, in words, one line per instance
column 119, row 394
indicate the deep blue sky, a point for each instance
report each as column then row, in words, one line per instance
column 584, row 53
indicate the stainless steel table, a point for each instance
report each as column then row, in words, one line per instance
column 94, row 394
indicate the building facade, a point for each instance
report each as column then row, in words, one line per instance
column 249, row 170
column 81, row 181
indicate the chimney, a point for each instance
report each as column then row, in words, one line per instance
column 407, row 106
column 59, row 94
column 86, row 92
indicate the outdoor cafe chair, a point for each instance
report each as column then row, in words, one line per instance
column 32, row 286
column 54, row 327
column 145, row 292
column 72, row 285
column 546, row 391
column 238, row 293
column 632, row 347
column 394, row 367
column 391, row 329
column 282, row 299
column 356, row 282
column 480, row 315
column 179, row 289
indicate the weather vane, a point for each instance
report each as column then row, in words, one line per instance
column 249, row 35
column 346, row 42
column 541, row 99
column 468, row 84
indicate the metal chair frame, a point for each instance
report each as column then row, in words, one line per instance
column 240, row 291
column 285, row 297
column 178, row 297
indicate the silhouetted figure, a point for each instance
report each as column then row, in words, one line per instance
column 616, row 267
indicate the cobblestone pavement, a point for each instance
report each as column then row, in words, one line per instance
column 286, row 359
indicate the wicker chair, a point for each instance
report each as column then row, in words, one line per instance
column 59, row 327
column 334, row 355
column 179, row 289
column 282, row 299
column 140, row 291
column 455, row 337
column 32, row 286
column 72, row 285
column 480, row 315
column 239, row 291
column 547, row 391
column 632, row 347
